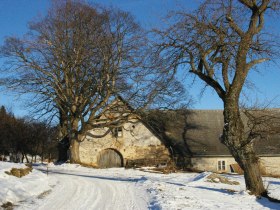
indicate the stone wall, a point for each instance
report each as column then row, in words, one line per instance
column 137, row 144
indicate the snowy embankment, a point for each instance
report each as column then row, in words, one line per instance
column 14, row 189
column 77, row 187
column 194, row 191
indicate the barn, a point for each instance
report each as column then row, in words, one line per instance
column 195, row 135
column 190, row 138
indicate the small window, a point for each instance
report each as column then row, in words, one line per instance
column 221, row 165
column 117, row 132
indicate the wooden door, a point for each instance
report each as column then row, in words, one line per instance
column 109, row 158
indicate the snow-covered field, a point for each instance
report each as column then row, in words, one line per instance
column 76, row 187
column 13, row 189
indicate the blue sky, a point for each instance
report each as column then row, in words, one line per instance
column 15, row 15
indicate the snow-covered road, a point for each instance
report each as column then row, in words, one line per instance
column 73, row 187
column 87, row 190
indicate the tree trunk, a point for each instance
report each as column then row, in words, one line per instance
column 36, row 150
column 242, row 150
column 74, row 151
column 75, row 143
column 63, row 145
column 252, row 174
column 24, row 155
column 43, row 151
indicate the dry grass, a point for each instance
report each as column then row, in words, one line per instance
column 271, row 175
column 44, row 194
column 19, row 172
column 230, row 191
column 8, row 206
column 88, row 165
column 166, row 170
column 216, row 178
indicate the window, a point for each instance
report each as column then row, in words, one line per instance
column 117, row 132
column 221, row 165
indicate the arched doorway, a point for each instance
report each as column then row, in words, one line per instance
column 109, row 158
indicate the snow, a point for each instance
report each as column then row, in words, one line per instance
column 71, row 186
column 13, row 189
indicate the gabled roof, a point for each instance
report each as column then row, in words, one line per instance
column 198, row 132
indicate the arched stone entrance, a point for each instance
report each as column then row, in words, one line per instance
column 109, row 158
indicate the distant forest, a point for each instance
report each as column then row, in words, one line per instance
column 23, row 139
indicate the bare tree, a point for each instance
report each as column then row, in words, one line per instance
column 76, row 60
column 25, row 137
column 261, row 122
column 220, row 43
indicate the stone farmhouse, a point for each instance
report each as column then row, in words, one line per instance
column 190, row 138
column 133, row 143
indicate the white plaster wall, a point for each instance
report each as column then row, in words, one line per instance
column 211, row 163
column 269, row 165
column 137, row 142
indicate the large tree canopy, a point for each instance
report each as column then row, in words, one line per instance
column 77, row 59
column 220, row 43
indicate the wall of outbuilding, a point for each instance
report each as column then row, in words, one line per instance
column 269, row 165
column 137, row 145
column 211, row 163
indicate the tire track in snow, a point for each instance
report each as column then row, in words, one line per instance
column 78, row 190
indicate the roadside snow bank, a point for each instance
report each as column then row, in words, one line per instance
column 13, row 189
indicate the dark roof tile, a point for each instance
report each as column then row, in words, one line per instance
column 197, row 132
